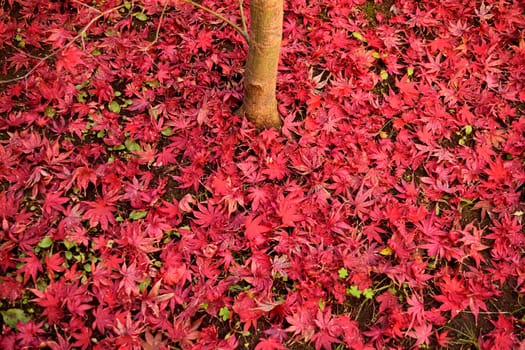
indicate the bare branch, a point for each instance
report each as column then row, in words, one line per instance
column 244, row 33
column 243, row 19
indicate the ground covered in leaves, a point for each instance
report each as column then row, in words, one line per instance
column 137, row 211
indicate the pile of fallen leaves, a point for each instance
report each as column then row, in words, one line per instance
column 137, row 211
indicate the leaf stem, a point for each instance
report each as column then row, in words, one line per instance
column 244, row 33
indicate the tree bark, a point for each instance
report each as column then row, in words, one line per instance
column 260, row 77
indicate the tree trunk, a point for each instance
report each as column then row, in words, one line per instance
column 260, row 77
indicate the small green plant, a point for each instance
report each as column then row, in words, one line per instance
column 11, row 317
column 224, row 313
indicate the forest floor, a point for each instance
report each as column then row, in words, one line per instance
column 137, row 211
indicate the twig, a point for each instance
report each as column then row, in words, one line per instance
column 23, row 52
column 88, row 6
column 243, row 19
column 57, row 51
column 158, row 27
column 244, row 33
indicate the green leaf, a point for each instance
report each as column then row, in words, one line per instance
column 141, row 16
column 354, row 291
column 144, row 284
column 137, row 215
column 167, row 132
column 50, row 112
column 46, row 242
column 13, row 316
column 468, row 130
column 68, row 255
column 81, row 97
column 368, row 293
column 119, row 148
column 154, row 83
column 358, row 36
column 321, row 304
column 153, row 112
column 342, row 272
column 225, row 313
column 114, row 107
column 69, row 244
column 386, row 251
column 384, row 75
column 132, row 145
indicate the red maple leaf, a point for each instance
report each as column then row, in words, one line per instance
column 454, row 295
column 301, row 322
column 472, row 243
column 69, row 59
column 190, row 176
column 204, row 40
column 83, row 176
column 58, row 37
column 51, row 301
column 10, row 288
column 288, row 208
column 245, row 307
column 416, row 308
column 269, row 344
column 153, row 342
column 128, row 332
column 207, row 216
column 54, row 264
column 53, row 201
column 31, row 267
column 103, row 319
column 497, row 171
column 101, row 211
column 408, row 89
column 276, row 166
column 422, row 333
column 29, row 334
column 503, row 335
column 136, row 192
column 133, row 237
column 254, row 231
column 82, row 337
column 360, row 202
column 259, row 196
column 130, row 279
column 328, row 332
